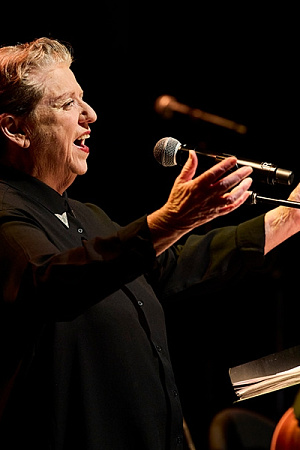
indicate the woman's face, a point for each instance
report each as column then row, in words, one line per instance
column 60, row 127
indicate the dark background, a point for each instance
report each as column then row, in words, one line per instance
column 236, row 61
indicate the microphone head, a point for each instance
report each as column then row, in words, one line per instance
column 165, row 151
column 163, row 105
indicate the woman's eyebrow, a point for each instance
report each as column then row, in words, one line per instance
column 64, row 96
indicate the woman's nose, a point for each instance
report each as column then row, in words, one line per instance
column 88, row 114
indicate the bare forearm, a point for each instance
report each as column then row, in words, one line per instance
column 280, row 224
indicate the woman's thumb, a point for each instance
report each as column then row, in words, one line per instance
column 189, row 168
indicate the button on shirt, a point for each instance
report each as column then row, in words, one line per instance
column 83, row 339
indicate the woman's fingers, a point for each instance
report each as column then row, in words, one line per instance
column 214, row 177
column 232, row 179
column 237, row 196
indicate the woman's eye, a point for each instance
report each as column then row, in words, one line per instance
column 69, row 103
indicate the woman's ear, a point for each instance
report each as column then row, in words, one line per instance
column 11, row 128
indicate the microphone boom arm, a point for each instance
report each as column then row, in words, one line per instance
column 255, row 198
column 166, row 105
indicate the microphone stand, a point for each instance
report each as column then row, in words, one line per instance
column 255, row 198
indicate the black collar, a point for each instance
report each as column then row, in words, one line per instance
column 34, row 188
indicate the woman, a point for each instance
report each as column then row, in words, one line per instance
column 83, row 340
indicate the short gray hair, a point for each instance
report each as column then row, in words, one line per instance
column 19, row 94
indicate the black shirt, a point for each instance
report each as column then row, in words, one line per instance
column 84, row 354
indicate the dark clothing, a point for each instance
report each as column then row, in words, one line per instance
column 84, row 354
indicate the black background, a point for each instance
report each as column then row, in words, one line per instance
column 237, row 61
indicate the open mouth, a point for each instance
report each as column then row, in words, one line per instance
column 80, row 142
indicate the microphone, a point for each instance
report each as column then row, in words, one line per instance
column 170, row 152
column 166, row 105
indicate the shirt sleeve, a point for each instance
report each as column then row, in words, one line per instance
column 206, row 262
column 65, row 283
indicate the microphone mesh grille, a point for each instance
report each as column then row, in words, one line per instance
column 165, row 151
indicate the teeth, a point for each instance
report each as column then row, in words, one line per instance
column 81, row 140
column 84, row 136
